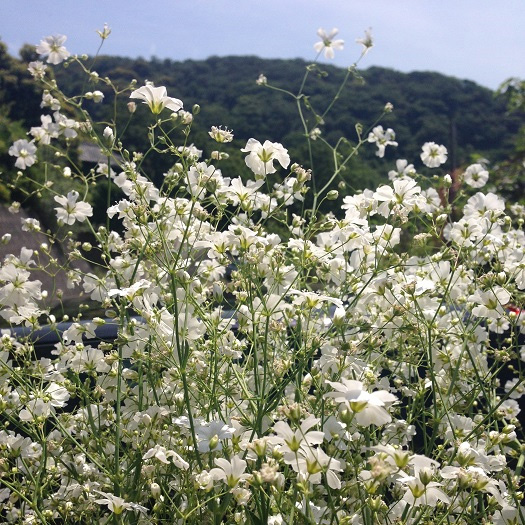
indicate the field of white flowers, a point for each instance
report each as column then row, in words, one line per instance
column 348, row 371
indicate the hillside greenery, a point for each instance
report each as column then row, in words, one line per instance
column 469, row 119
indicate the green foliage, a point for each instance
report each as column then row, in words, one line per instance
column 467, row 118
column 428, row 106
column 510, row 174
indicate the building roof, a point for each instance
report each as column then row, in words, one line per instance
column 89, row 152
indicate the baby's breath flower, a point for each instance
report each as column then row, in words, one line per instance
column 95, row 96
column 327, row 43
column 106, row 31
column 476, row 176
column 14, row 207
column 25, row 153
column 37, row 69
column 261, row 80
column 52, row 47
column 367, row 41
column 315, row 133
column 156, row 98
column 71, row 210
column 433, row 155
column 382, row 139
column 220, row 135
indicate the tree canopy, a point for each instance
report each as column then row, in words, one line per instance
column 467, row 118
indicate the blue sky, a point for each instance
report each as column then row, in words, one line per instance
column 481, row 40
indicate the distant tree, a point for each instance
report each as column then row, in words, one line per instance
column 510, row 174
column 428, row 106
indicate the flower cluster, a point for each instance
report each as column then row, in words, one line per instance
column 344, row 370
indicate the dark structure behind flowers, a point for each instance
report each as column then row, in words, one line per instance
column 54, row 279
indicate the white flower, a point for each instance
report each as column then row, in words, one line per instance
column 476, row 176
column 191, row 152
column 25, row 151
column 18, row 289
column 108, row 135
column 368, row 408
column 311, row 462
column 30, row 225
column 56, row 395
column 509, row 409
column 291, row 441
column 490, row 303
column 203, row 178
column 420, row 494
column 67, row 126
column 328, row 43
column 220, row 135
column 261, row 80
column 36, row 408
column 464, row 232
column 105, row 32
column 37, row 69
column 367, row 41
column 49, row 101
column 47, row 131
column 136, row 289
column 489, row 206
column 231, row 472
column 89, row 360
column 163, row 455
column 52, row 48
column 261, row 156
column 403, row 170
column 433, row 155
column 211, row 434
column 72, row 210
column 405, row 192
column 118, row 505
column 156, row 98
column 382, row 139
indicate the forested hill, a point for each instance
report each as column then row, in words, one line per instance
column 464, row 116
column 428, row 106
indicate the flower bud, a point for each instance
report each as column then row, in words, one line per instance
column 217, row 292
column 108, row 135
column 425, row 475
column 501, row 278
column 441, row 219
column 332, row 195
column 346, row 416
column 97, row 96
column 214, row 441
column 155, row 489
